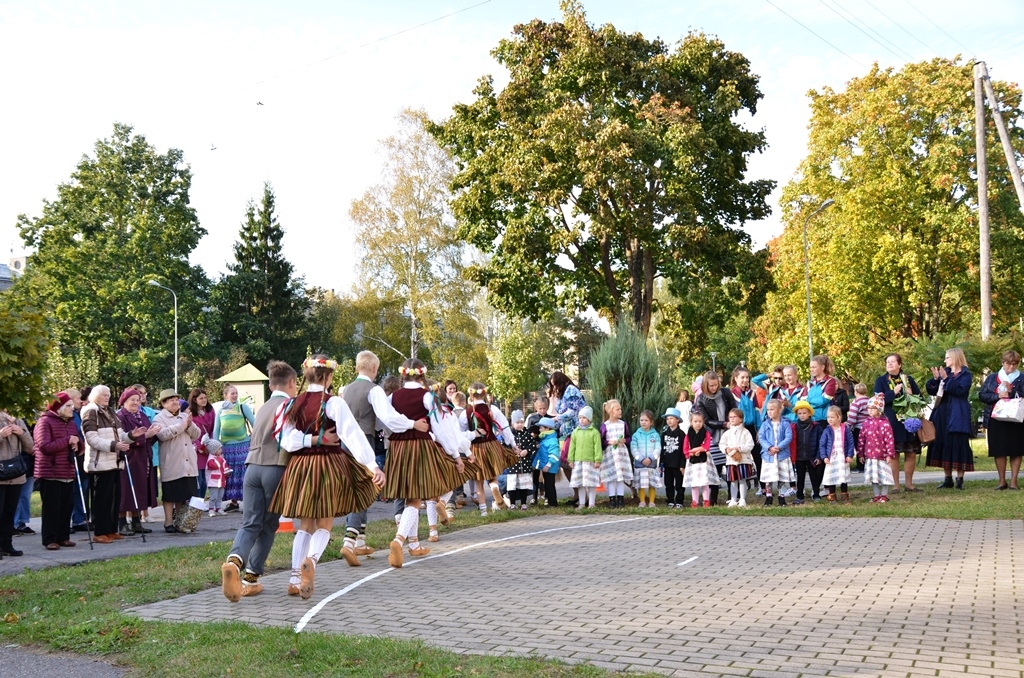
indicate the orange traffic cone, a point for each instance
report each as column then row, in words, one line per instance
column 285, row 525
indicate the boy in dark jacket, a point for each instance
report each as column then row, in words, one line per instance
column 807, row 434
column 672, row 458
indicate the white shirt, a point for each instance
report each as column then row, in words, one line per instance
column 499, row 419
column 386, row 414
column 293, row 440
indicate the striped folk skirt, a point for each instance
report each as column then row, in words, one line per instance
column 585, row 475
column 420, row 469
column 877, row 471
column 700, row 474
column 647, row 477
column 778, row 471
column 493, row 458
column 616, row 466
column 737, row 472
column 323, row 486
column 837, row 471
column 234, row 455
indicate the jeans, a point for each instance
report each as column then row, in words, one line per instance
column 23, row 513
column 502, row 483
column 259, row 526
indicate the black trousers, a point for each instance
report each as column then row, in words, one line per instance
column 9, row 496
column 536, row 484
column 518, row 496
column 550, row 493
column 674, row 484
column 817, row 473
column 716, row 486
column 58, row 500
column 106, row 497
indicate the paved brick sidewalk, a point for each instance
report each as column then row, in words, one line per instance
column 764, row 597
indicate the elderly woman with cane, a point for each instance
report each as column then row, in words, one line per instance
column 137, row 493
column 105, row 441
column 178, row 467
column 57, row 444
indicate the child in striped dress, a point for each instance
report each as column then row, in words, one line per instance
column 585, row 458
column 616, row 466
column 836, row 449
column 700, row 471
column 876, row 445
column 737, row 443
column 776, row 465
column 646, row 447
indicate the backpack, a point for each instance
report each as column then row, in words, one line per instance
column 842, row 401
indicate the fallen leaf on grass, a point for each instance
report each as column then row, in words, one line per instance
column 11, row 618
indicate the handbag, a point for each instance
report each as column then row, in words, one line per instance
column 13, row 468
column 926, row 434
column 1009, row 409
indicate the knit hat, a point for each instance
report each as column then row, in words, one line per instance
column 877, row 401
column 59, row 401
column 673, row 412
column 586, row 412
column 213, row 446
column 517, row 415
column 547, row 422
column 803, row 404
column 126, row 395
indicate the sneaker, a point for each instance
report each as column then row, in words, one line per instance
column 707, row 504
column 798, row 502
column 742, row 504
column 883, row 499
column 232, row 507
column 768, row 501
column 212, row 513
column 759, row 493
column 25, row 529
column 642, row 504
column 524, row 507
column 816, row 498
column 731, row 503
column 782, row 501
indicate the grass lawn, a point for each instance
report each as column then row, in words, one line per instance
column 80, row 609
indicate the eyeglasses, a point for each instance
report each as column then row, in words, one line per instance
column 779, row 378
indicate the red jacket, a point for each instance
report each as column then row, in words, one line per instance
column 52, row 449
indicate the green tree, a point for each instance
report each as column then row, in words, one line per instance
column 411, row 255
column 25, row 346
column 607, row 162
column 514, row 366
column 897, row 257
column 123, row 219
column 625, row 368
column 73, row 367
column 261, row 301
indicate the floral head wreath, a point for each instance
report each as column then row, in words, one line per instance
column 327, row 363
column 477, row 391
column 412, row 371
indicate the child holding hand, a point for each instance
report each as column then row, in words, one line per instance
column 646, row 448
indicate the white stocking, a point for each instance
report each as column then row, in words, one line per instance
column 317, row 543
column 432, row 514
column 409, row 525
column 300, row 547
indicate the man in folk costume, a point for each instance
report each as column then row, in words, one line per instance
column 369, row 405
column 322, row 480
column 417, row 467
column 264, row 467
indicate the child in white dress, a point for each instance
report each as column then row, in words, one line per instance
column 616, row 466
column 737, row 444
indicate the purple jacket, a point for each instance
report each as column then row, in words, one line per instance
column 53, row 452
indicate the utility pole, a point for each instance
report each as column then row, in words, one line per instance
column 983, row 234
column 1004, row 137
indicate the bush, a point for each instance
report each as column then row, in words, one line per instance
column 625, row 369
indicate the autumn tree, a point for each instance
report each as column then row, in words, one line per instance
column 261, row 301
column 25, row 347
column 897, row 256
column 123, row 218
column 410, row 251
column 607, row 162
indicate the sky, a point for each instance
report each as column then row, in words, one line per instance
column 333, row 76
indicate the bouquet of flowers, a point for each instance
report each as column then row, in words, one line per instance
column 909, row 407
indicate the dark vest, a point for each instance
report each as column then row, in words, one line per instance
column 409, row 401
column 357, row 398
column 479, row 418
column 306, row 415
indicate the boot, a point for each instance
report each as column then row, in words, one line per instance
column 782, row 500
column 945, row 484
column 959, row 483
column 124, row 529
column 831, row 497
column 137, row 527
column 768, row 500
column 845, row 497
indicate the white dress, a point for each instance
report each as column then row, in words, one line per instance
column 616, row 466
column 837, row 471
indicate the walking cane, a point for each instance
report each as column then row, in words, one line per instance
column 81, row 495
column 135, row 499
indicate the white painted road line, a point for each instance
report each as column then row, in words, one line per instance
column 306, row 618
column 687, row 561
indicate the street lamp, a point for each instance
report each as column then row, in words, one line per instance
column 807, row 277
column 156, row 284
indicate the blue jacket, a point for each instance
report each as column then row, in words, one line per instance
column 768, row 439
column 953, row 414
column 548, row 452
column 828, row 438
column 645, row 445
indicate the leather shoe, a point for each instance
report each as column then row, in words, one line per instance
column 53, row 547
column 102, row 539
column 11, row 551
column 67, row 543
column 363, row 550
column 116, row 537
column 251, row 589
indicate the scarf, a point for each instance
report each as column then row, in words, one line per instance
column 134, row 419
column 719, row 404
column 695, row 437
column 1005, row 378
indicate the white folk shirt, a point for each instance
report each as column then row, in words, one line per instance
column 293, row 440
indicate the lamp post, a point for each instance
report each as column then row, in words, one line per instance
column 807, row 277
column 156, row 284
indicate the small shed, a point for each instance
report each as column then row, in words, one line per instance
column 250, row 384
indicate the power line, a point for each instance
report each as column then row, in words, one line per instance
column 926, row 46
column 856, row 18
column 365, row 44
column 836, row 12
column 966, row 48
column 795, row 20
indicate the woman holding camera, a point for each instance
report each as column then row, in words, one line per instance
column 951, row 448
